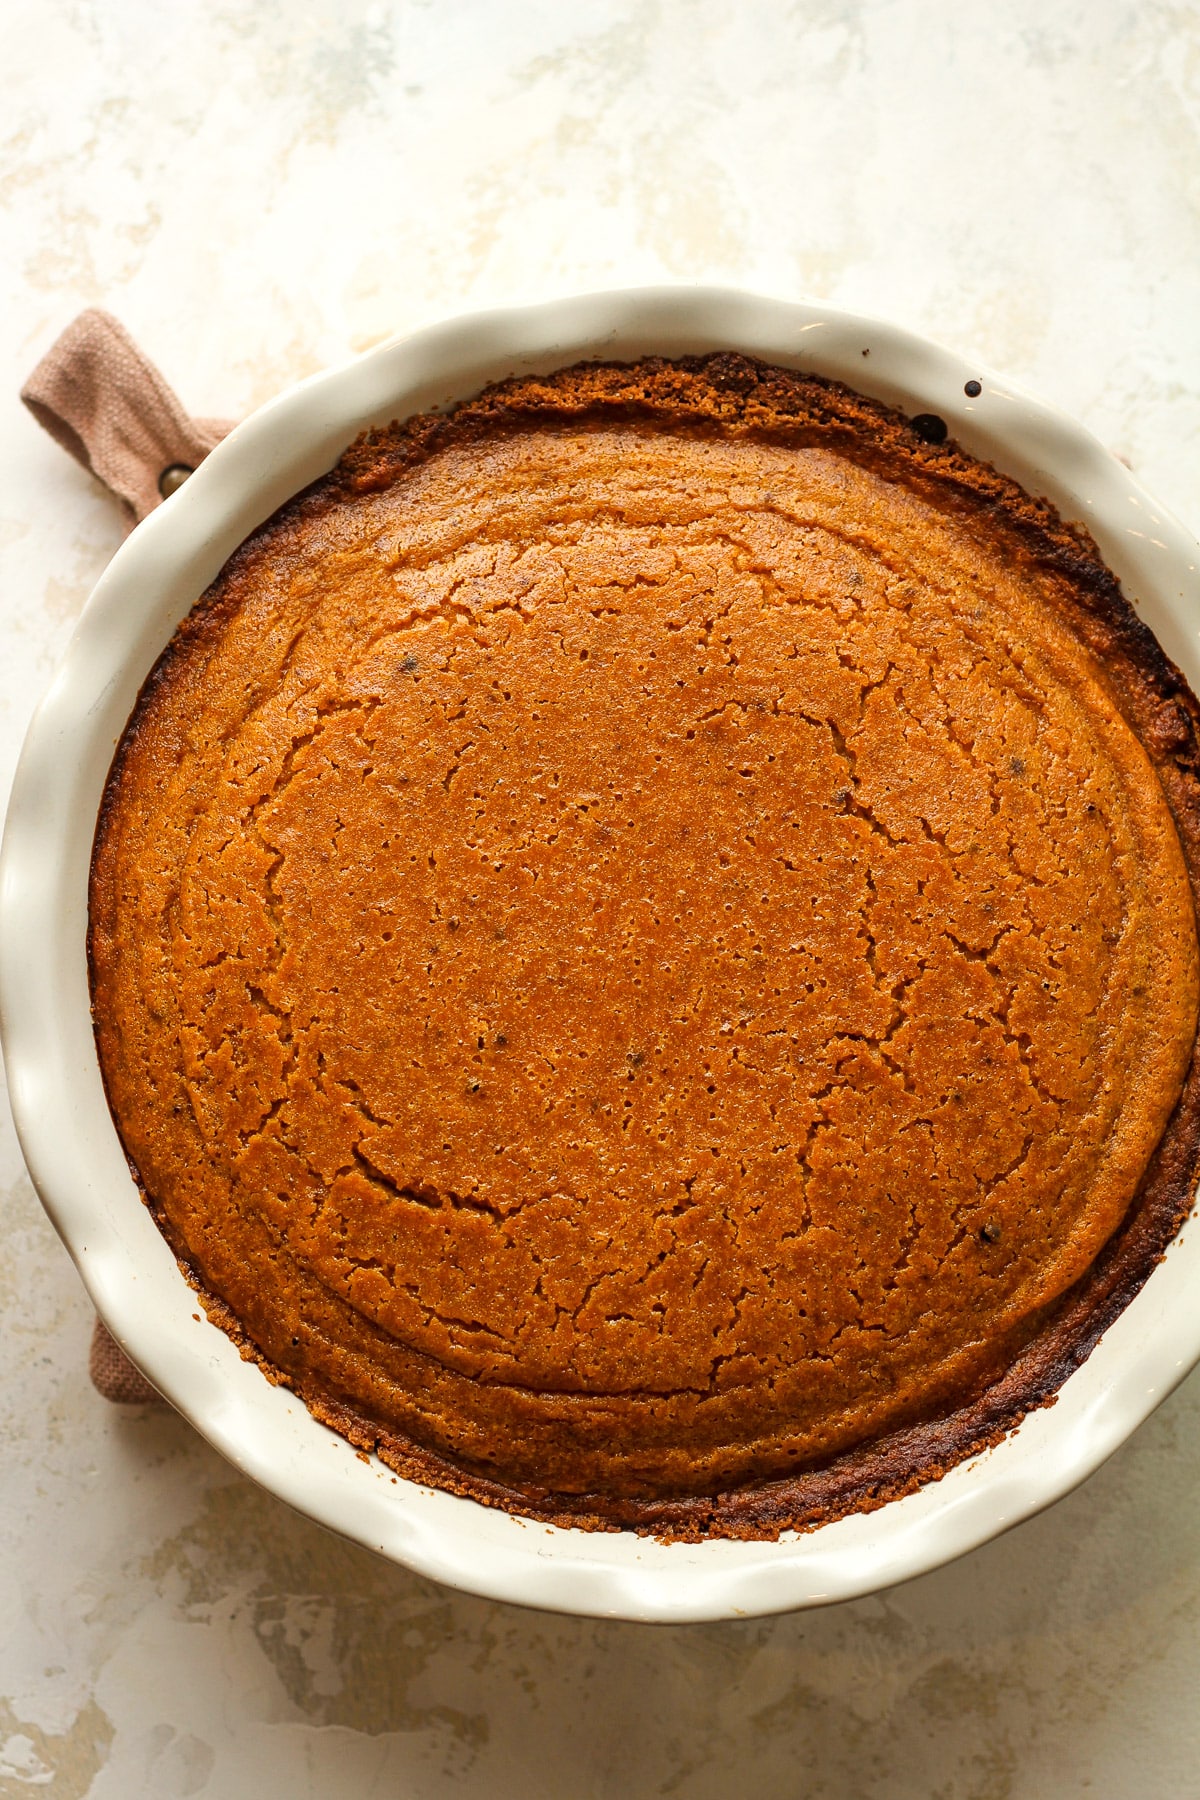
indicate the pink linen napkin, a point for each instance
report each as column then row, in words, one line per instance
column 102, row 400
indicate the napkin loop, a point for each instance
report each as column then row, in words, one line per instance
column 105, row 402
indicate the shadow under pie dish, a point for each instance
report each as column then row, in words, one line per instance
column 643, row 948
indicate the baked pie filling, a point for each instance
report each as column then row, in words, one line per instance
column 643, row 948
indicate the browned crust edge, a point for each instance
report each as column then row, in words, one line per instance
column 738, row 395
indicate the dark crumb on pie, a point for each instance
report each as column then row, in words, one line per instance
column 930, row 428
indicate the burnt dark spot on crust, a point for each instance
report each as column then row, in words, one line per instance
column 930, row 428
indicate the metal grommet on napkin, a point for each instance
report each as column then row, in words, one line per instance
column 173, row 478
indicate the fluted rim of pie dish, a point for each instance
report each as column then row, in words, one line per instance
column 70, row 1144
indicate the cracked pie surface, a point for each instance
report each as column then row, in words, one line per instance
column 643, row 948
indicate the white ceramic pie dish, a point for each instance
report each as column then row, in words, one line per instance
column 62, row 1116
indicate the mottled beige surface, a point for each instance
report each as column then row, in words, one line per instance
column 258, row 190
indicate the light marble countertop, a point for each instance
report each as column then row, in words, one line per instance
column 259, row 190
